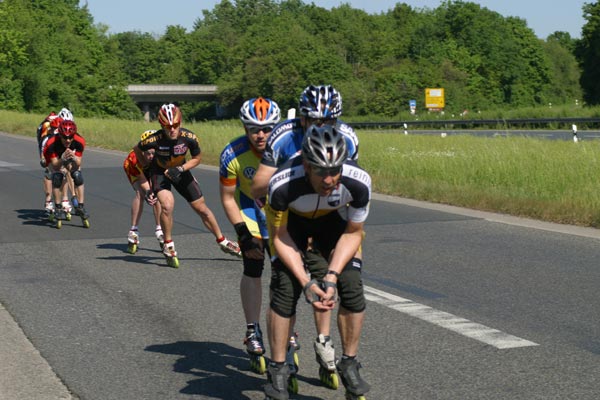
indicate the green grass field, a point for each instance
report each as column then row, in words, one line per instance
column 543, row 179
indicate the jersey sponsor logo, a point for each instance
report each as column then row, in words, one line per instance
column 334, row 199
column 284, row 127
column 180, row 149
column 164, row 148
column 249, row 172
column 284, row 175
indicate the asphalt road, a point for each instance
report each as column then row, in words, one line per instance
column 462, row 304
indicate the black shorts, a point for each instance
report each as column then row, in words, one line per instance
column 187, row 187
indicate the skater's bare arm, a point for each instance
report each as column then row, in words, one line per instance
column 260, row 182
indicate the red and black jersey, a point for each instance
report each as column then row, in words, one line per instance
column 54, row 148
column 171, row 153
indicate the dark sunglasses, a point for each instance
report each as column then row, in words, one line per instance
column 252, row 129
column 66, row 137
column 324, row 172
column 169, row 127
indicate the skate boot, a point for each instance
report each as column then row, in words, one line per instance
column 81, row 211
column 133, row 240
column 160, row 236
column 325, row 354
column 66, row 206
column 255, row 348
column 49, row 208
column 277, row 382
column 230, row 247
column 171, row 254
column 291, row 359
column 59, row 216
column 355, row 386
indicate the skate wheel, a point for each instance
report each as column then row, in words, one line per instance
column 293, row 385
column 68, row 216
column 132, row 248
column 258, row 364
column 173, row 262
column 296, row 360
column 50, row 217
column 86, row 223
column 329, row 378
column 58, row 224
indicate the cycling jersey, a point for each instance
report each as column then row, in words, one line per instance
column 290, row 190
column 44, row 131
column 285, row 142
column 239, row 161
column 54, row 148
column 170, row 153
column 133, row 169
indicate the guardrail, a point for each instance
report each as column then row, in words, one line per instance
column 471, row 122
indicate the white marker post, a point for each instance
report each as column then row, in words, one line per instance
column 291, row 114
column 574, row 128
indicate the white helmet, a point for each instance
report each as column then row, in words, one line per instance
column 260, row 112
column 66, row 115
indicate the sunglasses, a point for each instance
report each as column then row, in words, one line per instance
column 252, row 129
column 66, row 137
column 169, row 127
column 324, row 172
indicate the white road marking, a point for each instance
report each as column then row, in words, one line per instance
column 4, row 164
column 482, row 333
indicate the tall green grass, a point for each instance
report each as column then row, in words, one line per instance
column 544, row 179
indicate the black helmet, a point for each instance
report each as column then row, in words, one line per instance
column 324, row 147
column 320, row 102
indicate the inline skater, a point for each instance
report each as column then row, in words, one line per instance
column 239, row 161
column 324, row 196
column 138, row 178
column 318, row 105
column 45, row 130
column 171, row 169
column 63, row 154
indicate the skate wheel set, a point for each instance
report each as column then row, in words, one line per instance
column 258, row 363
column 328, row 378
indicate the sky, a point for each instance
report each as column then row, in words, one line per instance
column 153, row 16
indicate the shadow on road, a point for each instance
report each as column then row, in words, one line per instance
column 218, row 370
column 33, row 217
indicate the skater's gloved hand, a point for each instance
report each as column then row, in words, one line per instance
column 315, row 295
column 43, row 162
column 330, row 289
column 150, row 198
column 174, row 174
column 251, row 247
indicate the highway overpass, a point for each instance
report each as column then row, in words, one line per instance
column 147, row 96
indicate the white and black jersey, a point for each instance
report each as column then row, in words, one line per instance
column 290, row 189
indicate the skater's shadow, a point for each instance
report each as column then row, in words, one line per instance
column 218, row 370
column 33, row 217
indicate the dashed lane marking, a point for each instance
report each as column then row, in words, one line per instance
column 482, row 333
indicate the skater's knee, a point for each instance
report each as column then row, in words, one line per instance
column 57, row 179
column 350, row 287
column 285, row 290
column 77, row 178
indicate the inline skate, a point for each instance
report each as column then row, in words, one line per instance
column 133, row 240
column 255, row 348
column 57, row 216
column 48, row 208
column 277, row 382
column 291, row 359
column 325, row 354
column 81, row 212
column 171, row 255
column 356, row 387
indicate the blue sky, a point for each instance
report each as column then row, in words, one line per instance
column 153, row 16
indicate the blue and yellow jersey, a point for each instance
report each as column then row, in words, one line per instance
column 239, row 162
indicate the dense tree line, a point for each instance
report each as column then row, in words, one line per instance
column 53, row 54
